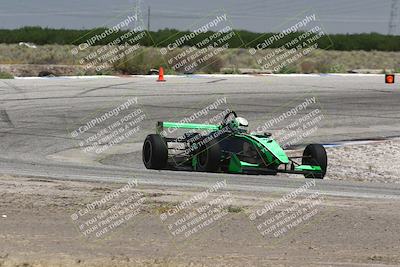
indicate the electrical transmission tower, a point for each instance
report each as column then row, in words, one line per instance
column 394, row 17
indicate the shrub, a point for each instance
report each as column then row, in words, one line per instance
column 287, row 70
column 214, row 66
column 141, row 62
column 6, row 75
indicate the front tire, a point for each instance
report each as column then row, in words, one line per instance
column 316, row 156
column 155, row 152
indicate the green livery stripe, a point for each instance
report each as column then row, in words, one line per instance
column 196, row 126
column 307, row 168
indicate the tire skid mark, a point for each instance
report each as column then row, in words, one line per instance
column 215, row 81
column 35, row 135
column 16, row 88
column 141, row 95
column 5, row 118
column 102, row 87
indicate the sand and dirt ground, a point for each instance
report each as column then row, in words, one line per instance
column 374, row 162
column 37, row 228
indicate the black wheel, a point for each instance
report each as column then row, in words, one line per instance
column 155, row 152
column 209, row 158
column 315, row 154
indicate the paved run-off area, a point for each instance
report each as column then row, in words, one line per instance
column 38, row 118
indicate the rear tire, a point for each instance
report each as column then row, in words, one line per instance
column 316, row 154
column 155, row 152
column 209, row 159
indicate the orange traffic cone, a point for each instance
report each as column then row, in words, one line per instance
column 161, row 75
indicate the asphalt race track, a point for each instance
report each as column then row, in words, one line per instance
column 37, row 117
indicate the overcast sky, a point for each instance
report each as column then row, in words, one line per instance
column 336, row 16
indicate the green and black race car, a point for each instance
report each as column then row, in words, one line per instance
column 228, row 148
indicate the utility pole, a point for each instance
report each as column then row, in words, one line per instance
column 148, row 18
column 394, row 17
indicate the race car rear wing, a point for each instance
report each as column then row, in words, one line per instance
column 180, row 125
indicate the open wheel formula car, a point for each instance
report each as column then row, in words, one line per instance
column 227, row 148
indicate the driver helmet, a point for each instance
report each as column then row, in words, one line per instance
column 240, row 124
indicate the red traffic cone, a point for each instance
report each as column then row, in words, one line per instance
column 161, row 75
